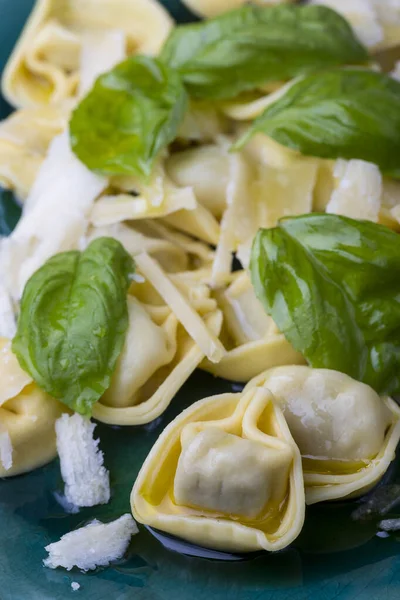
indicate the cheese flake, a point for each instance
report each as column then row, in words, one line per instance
column 87, row 481
column 96, row 545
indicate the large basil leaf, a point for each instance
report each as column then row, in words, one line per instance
column 342, row 113
column 250, row 46
column 10, row 212
column 131, row 114
column 73, row 322
column 332, row 285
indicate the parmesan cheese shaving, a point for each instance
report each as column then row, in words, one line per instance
column 95, row 545
column 86, row 479
column 6, row 450
column 55, row 214
column 181, row 307
column 358, row 190
column 239, row 220
column 101, row 51
column 13, row 378
column 8, row 324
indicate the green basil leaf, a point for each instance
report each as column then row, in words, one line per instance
column 342, row 113
column 10, row 212
column 73, row 322
column 332, row 285
column 250, row 46
column 131, row 113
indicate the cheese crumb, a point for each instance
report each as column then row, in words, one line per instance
column 6, row 450
column 87, row 481
column 75, row 586
column 95, row 545
column 358, row 190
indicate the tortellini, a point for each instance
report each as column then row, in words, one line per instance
column 44, row 67
column 346, row 433
column 225, row 474
column 253, row 341
column 24, row 140
column 159, row 354
column 27, row 418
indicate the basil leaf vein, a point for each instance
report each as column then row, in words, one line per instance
column 250, row 46
column 130, row 115
column 73, row 322
column 342, row 113
column 332, row 285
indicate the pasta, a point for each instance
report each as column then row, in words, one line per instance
column 207, row 198
column 27, row 416
column 345, row 432
column 45, row 65
column 145, row 383
column 249, row 497
column 253, row 341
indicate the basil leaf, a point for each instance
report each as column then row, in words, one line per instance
column 342, row 113
column 250, row 46
column 73, row 322
column 131, row 113
column 332, row 285
column 10, row 212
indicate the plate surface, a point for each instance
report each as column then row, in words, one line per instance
column 335, row 558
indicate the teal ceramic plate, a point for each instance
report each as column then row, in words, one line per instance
column 337, row 557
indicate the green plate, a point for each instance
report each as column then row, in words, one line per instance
column 337, row 557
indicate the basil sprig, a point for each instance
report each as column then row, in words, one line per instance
column 253, row 45
column 132, row 113
column 73, row 322
column 342, row 113
column 332, row 285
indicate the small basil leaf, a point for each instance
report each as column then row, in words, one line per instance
column 73, row 322
column 250, row 46
column 342, row 113
column 131, row 113
column 332, row 285
column 10, row 212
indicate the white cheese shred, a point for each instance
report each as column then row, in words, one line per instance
column 87, row 481
column 209, row 344
column 6, row 450
column 358, row 190
column 96, row 545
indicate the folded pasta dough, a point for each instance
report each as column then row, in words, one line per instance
column 159, row 355
column 224, row 474
column 45, row 65
column 158, row 197
column 24, row 139
column 346, row 433
column 251, row 337
column 27, row 417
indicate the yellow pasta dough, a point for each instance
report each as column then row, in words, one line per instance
column 44, row 66
column 224, row 474
column 159, row 353
column 24, row 140
column 251, row 337
column 27, row 418
column 346, row 433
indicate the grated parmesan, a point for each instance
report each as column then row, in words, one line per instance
column 358, row 190
column 6, row 450
column 181, row 307
column 87, row 481
column 95, row 545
